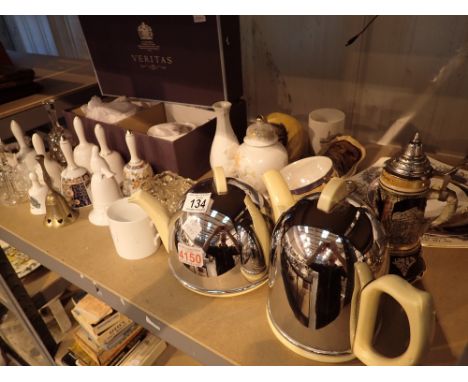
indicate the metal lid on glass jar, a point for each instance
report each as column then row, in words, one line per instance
column 261, row 133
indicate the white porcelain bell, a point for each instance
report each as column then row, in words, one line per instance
column 112, row 157
column 104, row 188
column 53, row 168
column 82, row 152
column 37, row 195
column 25, row 154
column 136, row 171
column 75, row 179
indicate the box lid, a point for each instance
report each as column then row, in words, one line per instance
column 185, row 59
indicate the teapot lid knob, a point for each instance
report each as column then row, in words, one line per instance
column 261, row 133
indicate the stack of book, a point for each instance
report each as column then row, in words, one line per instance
column 105, row 336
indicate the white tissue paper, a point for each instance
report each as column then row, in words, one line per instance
column 109, row 112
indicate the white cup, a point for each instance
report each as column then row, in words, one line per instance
column 324, row 123
column 132, row 231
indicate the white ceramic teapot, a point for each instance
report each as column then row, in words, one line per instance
column 260, row 152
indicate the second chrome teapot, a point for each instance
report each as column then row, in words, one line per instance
column 326, row 250
column 218, row 241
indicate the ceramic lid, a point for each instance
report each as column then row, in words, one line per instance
column 261, row 133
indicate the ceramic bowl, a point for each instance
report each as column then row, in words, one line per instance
column 308, row 175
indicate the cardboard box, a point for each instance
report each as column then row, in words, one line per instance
column 187, row 155
column 191, row 60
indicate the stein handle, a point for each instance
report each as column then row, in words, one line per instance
column 418, row 307
column 449, row 209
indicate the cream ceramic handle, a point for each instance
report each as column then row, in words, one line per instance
column 220, row 180
column 280, row 197
column 335, row 191
column 131, row 144
column 79, row 129
column 260, row 228
column 18, row 134
column 38, row 144
column 418, row 307
column 101, row 138
column 449, row 209
column 67, row 151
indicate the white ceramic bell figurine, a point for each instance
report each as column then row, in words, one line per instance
column 75, row 179
column 52, row 167
column 260, row 152
column 136, row 171
column 104, row 188
column 25, row 154
column 82, row 152
column 37, row 195
column 112, row 157
column 225, row 143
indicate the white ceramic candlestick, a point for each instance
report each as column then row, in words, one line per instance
column 112, row 157
column 37, row 195
column 104, row 188
column 25, row 154
column 75, row 179
column 136, row 171
column 52, row 167
column 82, row 152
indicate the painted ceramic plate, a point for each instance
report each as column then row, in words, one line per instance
column 22, row 264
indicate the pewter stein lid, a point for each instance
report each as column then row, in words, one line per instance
column 412, row 163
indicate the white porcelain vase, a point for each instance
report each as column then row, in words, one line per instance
column 225, row 144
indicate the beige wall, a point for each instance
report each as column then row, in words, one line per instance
column 386, row 78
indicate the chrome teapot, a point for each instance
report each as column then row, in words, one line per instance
column 326, row 250
column 218, row 241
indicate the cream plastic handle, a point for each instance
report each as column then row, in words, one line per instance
column 280, row 197
column 79, row 129
column 131, row 144
column 449, row 209
column 335, row 191
column 18, row 134
column 38, row 144
column 417, row 305
column 101, row 138
column 220, row 180
column 260, row 228
column 67, row 151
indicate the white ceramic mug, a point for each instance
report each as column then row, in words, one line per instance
column 132, row 231
column 324, row 123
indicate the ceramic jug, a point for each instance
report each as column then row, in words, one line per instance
column 112, row 157
column 75, row 179
column 82, row 152
column 219, row 238
column 104, row 189
column 136, row 171
column 53, row 168
column 225, row 144
column 259, row 153
column 25, row 154
column 326, row 250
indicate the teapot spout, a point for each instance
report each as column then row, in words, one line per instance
column 280, row 197
column 156, row 211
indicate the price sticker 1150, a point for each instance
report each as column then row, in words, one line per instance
column 195, row 202
column 190, row 255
